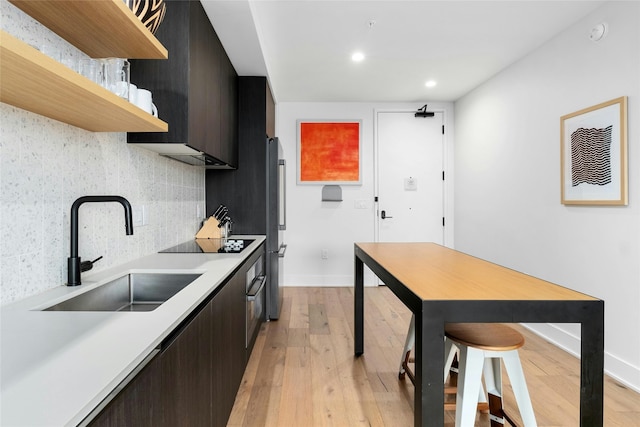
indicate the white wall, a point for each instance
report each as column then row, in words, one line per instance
column 314, row 225
column 508, row 177
column 45, row 165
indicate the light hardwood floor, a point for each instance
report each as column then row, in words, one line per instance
column 302, row 371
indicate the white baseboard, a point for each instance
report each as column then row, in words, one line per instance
column 616, row 368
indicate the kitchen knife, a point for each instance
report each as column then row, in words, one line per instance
column 222, row 213
column 217, row 211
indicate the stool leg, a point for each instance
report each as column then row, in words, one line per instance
column 482, row 396
column 469, row 380
column 493, row 375
column 408, row 345
column 450, row 350
column 519, row 385
column 493, row 382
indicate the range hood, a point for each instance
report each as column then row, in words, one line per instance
column 185, row 154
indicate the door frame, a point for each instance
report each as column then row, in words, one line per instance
column 447, row 166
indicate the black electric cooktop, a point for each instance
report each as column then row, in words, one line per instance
column 198, row 246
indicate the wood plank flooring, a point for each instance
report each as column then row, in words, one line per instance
column 302, row 371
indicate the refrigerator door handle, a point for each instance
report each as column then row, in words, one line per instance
column 282, row 250
column 282, row 191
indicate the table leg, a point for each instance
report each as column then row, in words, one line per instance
column 358, row 312
column 592, row 367
column 429, row 354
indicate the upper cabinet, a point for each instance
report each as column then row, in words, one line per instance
column 256, row 109
column 194, row 90
column 243, row 191
column 271, row 113
column 37, row 83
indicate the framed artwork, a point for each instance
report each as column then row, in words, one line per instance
column 329, row 152
column 593, row 155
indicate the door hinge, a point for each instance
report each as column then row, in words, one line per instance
column 443, row 175
column 443, row 129
column 443, row 221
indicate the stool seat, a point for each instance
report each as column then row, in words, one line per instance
column 485, row 336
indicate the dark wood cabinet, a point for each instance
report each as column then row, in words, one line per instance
column 194, row 90
column 244, row 191
column 186, row 373
column 229, row 113
column 194, row 378
column 229, row 352
column 139, row 403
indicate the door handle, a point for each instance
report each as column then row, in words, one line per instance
column 383, row 215
column 256, row 287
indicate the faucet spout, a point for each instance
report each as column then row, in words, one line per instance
column 73, row 262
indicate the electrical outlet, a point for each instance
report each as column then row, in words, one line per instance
column 324, row 254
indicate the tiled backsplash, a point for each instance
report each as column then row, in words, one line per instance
column 45, row 165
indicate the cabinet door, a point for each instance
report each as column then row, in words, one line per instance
column 206, row 55
column 236, row 318
column 139, row 404
column 271, row 113
column 186, row 374
column 168, row 80
column 228, row 82
column 229, row 356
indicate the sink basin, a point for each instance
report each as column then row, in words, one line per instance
column 131, row 292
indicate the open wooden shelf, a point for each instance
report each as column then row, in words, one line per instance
column 34, row 82
column 99, row 28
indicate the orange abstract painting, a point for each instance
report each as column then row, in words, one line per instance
column 329, row 152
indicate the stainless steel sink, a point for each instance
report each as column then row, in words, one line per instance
column 132, row 292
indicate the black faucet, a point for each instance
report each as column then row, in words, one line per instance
column 73, row 262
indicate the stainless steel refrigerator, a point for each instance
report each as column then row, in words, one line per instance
column 276, row 224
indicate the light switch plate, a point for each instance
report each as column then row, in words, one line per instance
column 140, row 216
column 360, row 204
column 137, row 216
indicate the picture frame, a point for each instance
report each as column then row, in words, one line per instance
column 329, row 152
column 593, row 155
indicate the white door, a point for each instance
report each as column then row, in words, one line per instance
column 410, row 177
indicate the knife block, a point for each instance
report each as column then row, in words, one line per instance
column 210, row 230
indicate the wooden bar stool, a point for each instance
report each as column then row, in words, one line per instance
column 450, row 366
column 483, row 346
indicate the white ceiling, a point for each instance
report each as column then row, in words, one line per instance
column 305, row 46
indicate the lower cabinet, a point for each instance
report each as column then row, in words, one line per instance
column 194, row 379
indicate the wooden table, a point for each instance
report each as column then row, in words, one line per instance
column 441, row 285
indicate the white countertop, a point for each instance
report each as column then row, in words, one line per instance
column 56, row 366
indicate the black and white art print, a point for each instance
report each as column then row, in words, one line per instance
column 594, row 155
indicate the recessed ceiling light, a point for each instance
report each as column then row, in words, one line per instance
column 430, row 83
column 357, row 57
